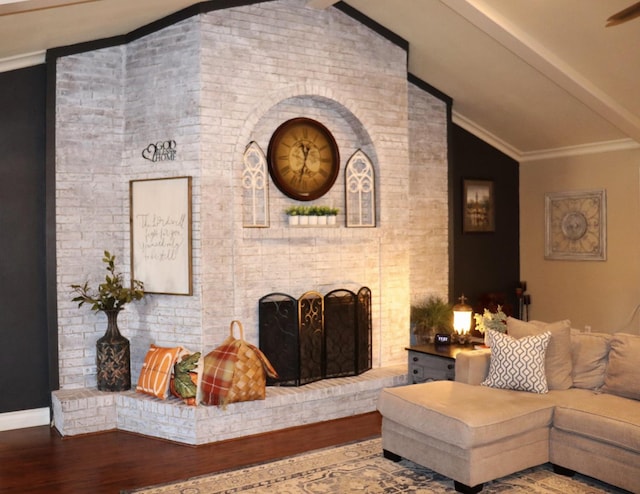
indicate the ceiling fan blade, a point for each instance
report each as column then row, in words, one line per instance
column 624, row 15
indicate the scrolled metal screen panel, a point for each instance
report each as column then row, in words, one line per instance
column 280, row 338
column 316, row 337
column 310, row 314
column 365, row 327
column 340, row 333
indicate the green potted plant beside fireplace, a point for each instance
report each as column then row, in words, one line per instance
column 113, row 357
column 430, row 317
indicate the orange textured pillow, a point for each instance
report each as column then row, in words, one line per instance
column 156, row 371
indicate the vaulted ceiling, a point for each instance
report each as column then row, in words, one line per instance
column 534, row 78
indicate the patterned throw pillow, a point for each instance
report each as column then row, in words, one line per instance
column 156, row 371
column 517, row 364
column 558, row 363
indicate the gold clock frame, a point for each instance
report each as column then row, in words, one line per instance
column 576, row 225
column 297, row 129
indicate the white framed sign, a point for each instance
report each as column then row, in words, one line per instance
column 160, row 218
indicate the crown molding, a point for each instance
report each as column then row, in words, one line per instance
column 486, row 136
column 22, row 61
column 543, row 154
column 581, row 149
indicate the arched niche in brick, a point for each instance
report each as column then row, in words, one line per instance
column 350, row 132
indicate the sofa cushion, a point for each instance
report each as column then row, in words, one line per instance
column 606, row 418
column 517, row 364
column 463, row 414
column 589, row 356
column 623, row 371
column 558, row 363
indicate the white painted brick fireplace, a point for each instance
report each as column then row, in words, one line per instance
column 213, row 83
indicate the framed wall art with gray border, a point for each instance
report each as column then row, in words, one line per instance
column 576, row 225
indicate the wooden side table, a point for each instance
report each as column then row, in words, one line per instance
column 433, row 362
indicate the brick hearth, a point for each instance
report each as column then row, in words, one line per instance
column 83, row 411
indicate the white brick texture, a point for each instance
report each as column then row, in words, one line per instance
column 213, row 83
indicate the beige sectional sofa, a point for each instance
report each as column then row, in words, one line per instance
column 482, row 426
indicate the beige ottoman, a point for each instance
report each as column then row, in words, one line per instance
column 471, row 434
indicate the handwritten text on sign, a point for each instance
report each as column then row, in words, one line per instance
column 163, row 236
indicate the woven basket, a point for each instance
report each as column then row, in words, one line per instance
column 235, row 371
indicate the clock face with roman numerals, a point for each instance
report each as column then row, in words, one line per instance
column 303, row 159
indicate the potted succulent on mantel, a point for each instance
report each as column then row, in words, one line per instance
column 293, row 213
column 311, row 215
column 332, row 214
column 430, row 317
column 113, row 357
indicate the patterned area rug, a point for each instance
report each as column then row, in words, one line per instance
column 361, row 468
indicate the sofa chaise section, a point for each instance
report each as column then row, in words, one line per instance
column 468, row 433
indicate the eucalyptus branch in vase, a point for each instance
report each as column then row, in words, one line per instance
column 111, row 294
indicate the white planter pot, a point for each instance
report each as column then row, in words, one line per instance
column 313, row 220
column 331, row 220
column 322, row 220
column 294, row 220
column 304, row 220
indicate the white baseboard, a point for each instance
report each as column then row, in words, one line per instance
column 24, row 418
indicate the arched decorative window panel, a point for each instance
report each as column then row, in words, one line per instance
column 360, row 187
column 255, row 188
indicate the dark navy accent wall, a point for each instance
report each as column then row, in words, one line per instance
column 485, row 262
column 24, row 339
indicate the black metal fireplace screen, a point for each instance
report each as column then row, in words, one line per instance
column 316, row 337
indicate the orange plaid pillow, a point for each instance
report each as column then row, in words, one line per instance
column 156, row 371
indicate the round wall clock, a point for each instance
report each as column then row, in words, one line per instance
column 303, row 159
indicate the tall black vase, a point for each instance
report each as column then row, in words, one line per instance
column 113, row 357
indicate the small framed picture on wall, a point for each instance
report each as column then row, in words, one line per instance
column 478, row 207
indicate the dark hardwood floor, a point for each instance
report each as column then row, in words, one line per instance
column 38, row 460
